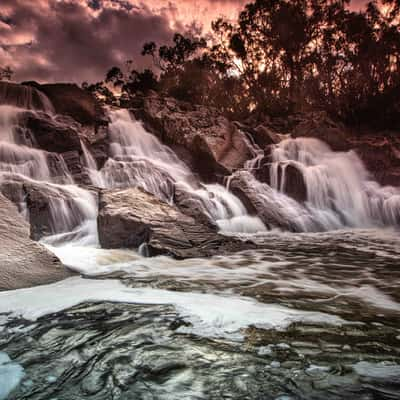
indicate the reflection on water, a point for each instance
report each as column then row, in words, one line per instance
column 310, row 316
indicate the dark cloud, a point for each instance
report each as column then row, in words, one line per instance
column 79, row 40
column 70, row 41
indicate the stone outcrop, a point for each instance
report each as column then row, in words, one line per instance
column 131, row 217
column 23, row 263
column 216, row 146
column 319, row 125
column 53, row 134
column 259, row 199
column 70, row 99
column 23, row 96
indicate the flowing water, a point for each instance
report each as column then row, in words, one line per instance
column 312, row 315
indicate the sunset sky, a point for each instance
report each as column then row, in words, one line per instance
column 78, row 40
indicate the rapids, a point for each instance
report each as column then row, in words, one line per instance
column 311, row 315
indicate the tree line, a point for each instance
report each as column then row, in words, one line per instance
column 282, row 57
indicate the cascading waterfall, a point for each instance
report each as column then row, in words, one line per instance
column 338, row 185
column 139, row 159
column 24, row 169
column 24, row 97
column 340, row 191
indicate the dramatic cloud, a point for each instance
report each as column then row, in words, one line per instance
column 78, row 40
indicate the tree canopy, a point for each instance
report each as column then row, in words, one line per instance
column 284, row 56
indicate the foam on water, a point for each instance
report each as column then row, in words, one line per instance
column 209, row 315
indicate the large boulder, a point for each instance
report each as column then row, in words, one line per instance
column 24, row 263
column 132, row 217
column 217, row 147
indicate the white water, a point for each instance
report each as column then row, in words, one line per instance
column 25, row 97
column 340, row 191
column 69, row 205
column 140, row 160
column 209, row 315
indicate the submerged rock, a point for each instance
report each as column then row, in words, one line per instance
column 24, row 263
column 217, row 147
column 132, row 217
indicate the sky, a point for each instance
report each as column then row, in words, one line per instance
column 79, row 40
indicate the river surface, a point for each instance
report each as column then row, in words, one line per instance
column 311, row 316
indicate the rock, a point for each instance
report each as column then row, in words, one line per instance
column 50, row 208
column 381, row 156
column 265, row 136
column 53, row 134
column 216, row 145
column 131, row 217
column 69, row 99
column 319, row 125
column 259, row 199
column 293, row 185
column 24, row 263
column 191, row 205
column 23, row 96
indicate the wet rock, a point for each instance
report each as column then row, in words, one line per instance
column 73, row 161
column 50, row 208
column 265, row 136
column 259, row 199
column 53, row 134
column 191, row 205
column 290, row 179
column 70, row 99
column 24, row 263
column 319, row 125
column 23, row 96
column 131, row 217
column 216, row 145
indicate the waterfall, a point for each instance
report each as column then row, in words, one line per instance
column 139, row 159
column 337, row 183
column 26, row 172
column 24, row 97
